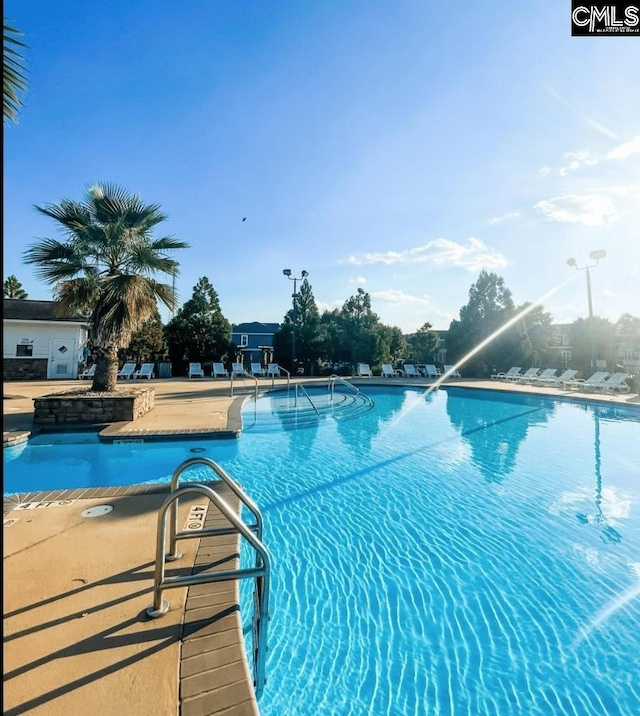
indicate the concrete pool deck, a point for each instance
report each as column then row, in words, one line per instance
column 77, row 639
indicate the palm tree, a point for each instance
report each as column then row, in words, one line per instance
column 13, row 80
column 12, row 288
column 105, row 269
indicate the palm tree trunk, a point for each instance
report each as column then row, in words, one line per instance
column 106, row 376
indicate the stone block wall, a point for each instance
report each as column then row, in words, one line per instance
column 59, row 411
column 24, row 368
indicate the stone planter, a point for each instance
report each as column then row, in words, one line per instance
column 84, row 408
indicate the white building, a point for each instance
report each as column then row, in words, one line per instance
column 39, row 345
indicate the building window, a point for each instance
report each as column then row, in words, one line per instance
column 24, row 351
column 244, row 340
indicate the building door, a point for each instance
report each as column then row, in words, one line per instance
column 61, row 361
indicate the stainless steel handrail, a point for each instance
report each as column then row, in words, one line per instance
column 174, row 535
column 247, row 375
column 261, row 573
column 332, row 384
column 281, row 370
column 301, row 387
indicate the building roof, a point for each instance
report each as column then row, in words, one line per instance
column 255, row 327
column 25, row 310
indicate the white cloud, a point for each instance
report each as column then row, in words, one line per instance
column 624, row 151
column 324, row 306
column 397, row 298
column 589, row 209
column 576, row 160
column 546, row 169
column 474, row 256
column 505, row 217
column 358, row 280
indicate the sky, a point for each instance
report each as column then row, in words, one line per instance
column 400, row 147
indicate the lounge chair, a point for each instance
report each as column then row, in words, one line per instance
column 219, row 371
column 560, row 380
column 388, row 371
column 88, row 373
column 257, row 370
column 616, row 383
column 237, row 369
column 195, row 370
column 527, row 375
column 410, row 371
column 452, row 373
column 511, row 374
column 364, row 371
column 595, row 381
column 146, row 371
column 127, row 370
column 431, row 371
column 547, row 374
column 273, row 370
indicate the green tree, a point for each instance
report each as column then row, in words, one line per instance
column 489, row 307
column 199, row 332
column 391, row 345
column 147, row 344
column 592, row 334
column 535, row 330
column 14, row 81
column 359, row 324
column 424, row 344
column 304, row 319
column 106, row 268
column 12, row 288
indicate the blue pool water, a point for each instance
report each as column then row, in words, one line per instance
column 457, row 553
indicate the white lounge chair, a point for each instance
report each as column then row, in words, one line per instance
column 616, row 383
column 595, row 381
column 237, row 369
column 127, row 370
column 146, row 371
column 547, row 374
column 88, row 373
column 452, row 373
column 388, row 371
column 257, row 370
column 195, row 370
column 410, row 371
column 527, row 375
column 560, row 380
column 273, row 370
column 219, row 371
column 431, row 371
column 364, row 371
column 511, row 374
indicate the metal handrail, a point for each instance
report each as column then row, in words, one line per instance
column 280, row 369
column 261, row 573
column 306, row 394
column 248, row 375
column 332, row 384
column 174, row 535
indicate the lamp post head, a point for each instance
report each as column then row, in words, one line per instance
column 597, row 255
column 305, row 274
column 571, row 262
column 286, row 272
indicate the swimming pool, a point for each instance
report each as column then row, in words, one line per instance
column 459, row 553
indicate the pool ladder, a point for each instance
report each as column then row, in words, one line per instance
column 261, row 572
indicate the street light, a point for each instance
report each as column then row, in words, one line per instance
column 594, row 256
column 295, row 279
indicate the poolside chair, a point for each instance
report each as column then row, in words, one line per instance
column 195, row 370
column 88, row 372
column 410, row 371
column 237, row 369
column 219, row 371
column 547, row 374
column 558, row 381
column 257, row 370
column 527, row 375
column 595, row 381
column 364, row 371
column 511, row 374
column 273, row 370
column 616, row 383
column 452, row 373
column 146, row 371
column 431, row 371
column 127, row 370
column 388, row 371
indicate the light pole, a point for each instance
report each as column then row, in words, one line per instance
column 595, row 256
column 295, row 279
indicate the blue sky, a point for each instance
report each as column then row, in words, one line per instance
column 400, row 147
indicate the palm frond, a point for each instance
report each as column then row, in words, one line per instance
column 13, row 73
